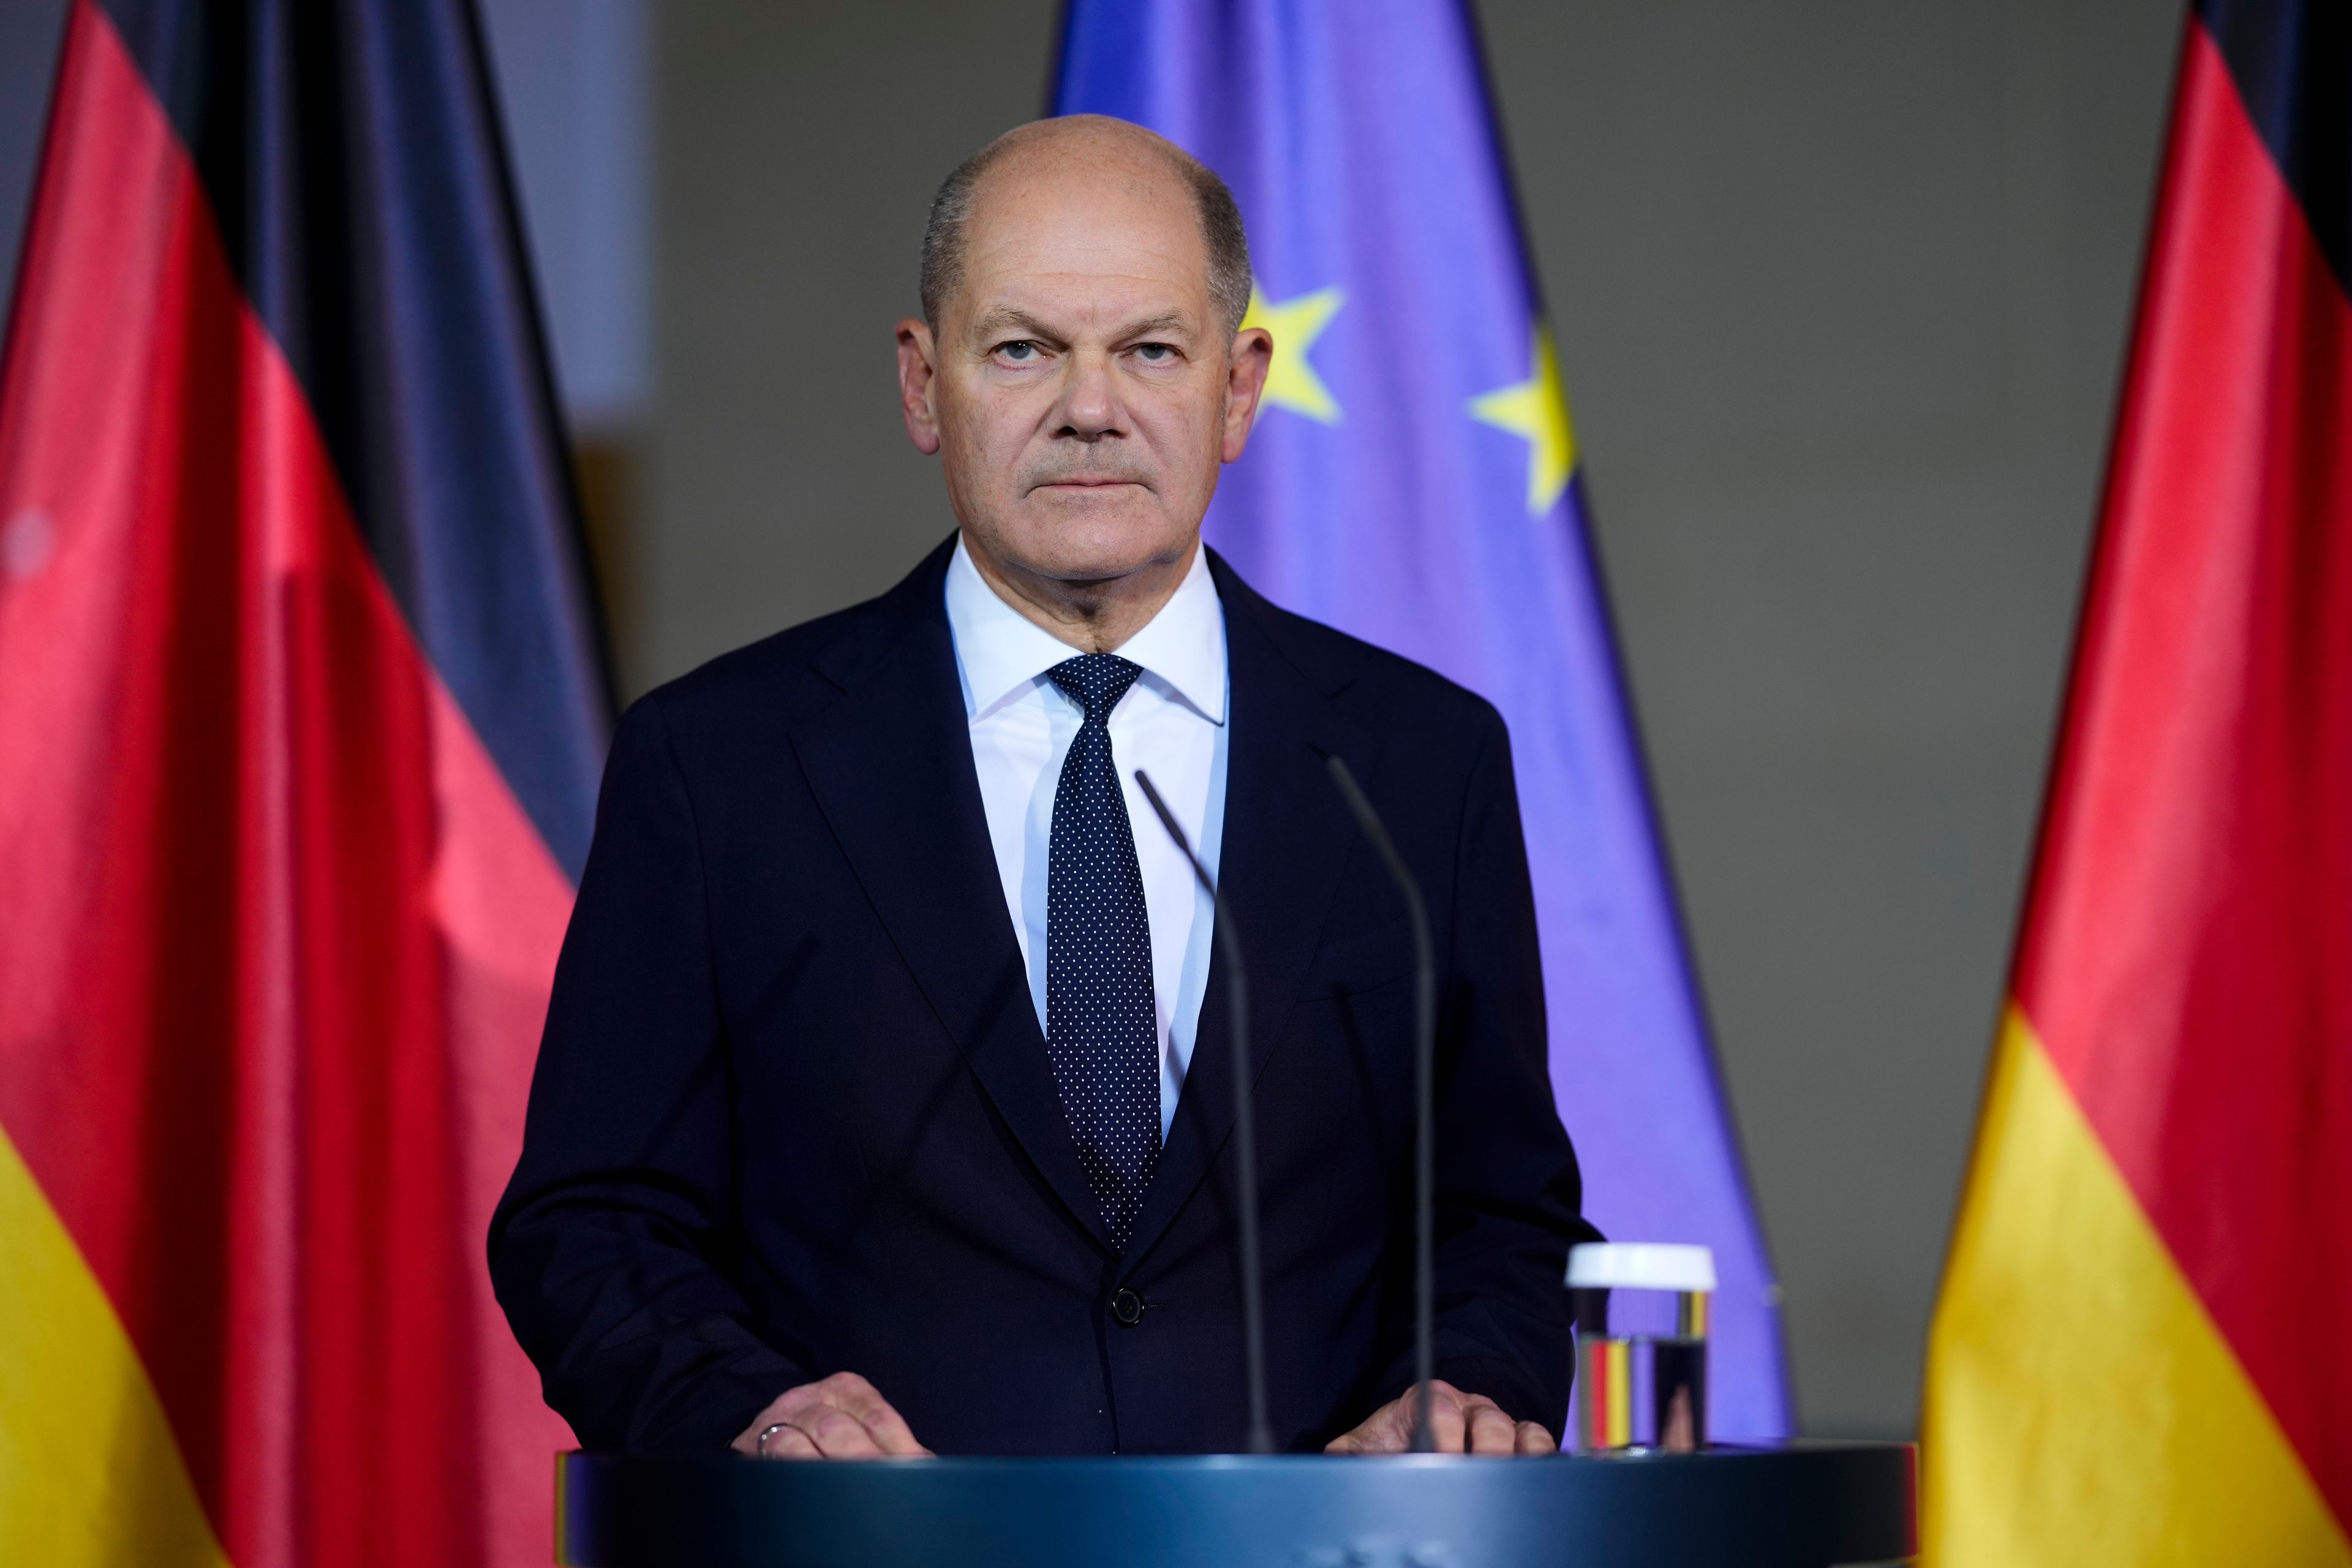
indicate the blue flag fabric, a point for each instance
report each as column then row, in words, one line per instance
column 1412, row 481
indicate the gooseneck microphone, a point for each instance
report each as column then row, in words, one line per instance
column 1424, row 1098
column 1228, row 948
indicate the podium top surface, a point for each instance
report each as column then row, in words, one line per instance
column 1805, row 1505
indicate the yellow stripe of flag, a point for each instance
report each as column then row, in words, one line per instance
column 2082, row 1408
column 91, row 1476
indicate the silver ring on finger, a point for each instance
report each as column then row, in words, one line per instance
column 761, row 1446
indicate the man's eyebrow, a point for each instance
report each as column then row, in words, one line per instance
column 1171, row 321
column 1006, row 319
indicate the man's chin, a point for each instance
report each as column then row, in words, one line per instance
column 1096, row 542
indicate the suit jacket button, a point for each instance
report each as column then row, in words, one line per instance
column 1127, row 1308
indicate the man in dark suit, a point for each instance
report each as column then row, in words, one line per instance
column 878, row 1107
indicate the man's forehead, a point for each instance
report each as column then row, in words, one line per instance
column 1118, row 203
column 1109, row 257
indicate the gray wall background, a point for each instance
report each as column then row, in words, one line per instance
column 1840, row 289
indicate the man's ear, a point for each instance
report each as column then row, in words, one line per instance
column 918, row 381
column 1245, row 368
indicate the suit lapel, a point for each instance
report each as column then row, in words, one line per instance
column 1286, row 835
column 891, row 766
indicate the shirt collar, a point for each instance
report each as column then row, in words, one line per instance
column 999, row 652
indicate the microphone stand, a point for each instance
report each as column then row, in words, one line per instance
column 1424, row 1098
column 1228, row 948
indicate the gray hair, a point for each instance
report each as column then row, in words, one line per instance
column 1220, row 227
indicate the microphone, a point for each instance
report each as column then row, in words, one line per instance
column 1228, row 948
column 1424, row 1098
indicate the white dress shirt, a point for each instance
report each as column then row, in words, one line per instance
column 1170, row 723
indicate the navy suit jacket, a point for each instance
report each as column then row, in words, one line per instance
column 794, row 1115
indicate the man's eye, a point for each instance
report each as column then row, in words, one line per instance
column 1020, row 352
column 1155, row 354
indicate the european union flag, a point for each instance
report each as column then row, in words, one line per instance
column 1414, row 481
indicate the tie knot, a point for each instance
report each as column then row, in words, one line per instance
column 1094, row 681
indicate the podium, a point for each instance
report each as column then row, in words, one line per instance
column 1802, row 1505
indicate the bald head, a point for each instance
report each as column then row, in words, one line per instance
column 1093, row 149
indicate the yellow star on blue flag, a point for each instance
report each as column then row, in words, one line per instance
column 1291, row 381
column 1535, row 409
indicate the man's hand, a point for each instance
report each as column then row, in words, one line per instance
column 1459, row 1423
column 840, row 1418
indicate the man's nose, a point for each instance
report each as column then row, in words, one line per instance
column 1090, row 405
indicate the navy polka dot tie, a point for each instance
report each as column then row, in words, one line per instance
column 1102, row 1030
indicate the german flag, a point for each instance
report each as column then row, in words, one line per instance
column 2143, row 1352
column 301, row 710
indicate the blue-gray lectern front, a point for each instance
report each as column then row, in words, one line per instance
column 1806, row 1505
